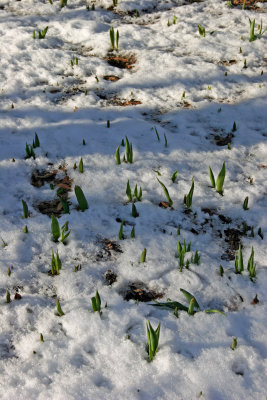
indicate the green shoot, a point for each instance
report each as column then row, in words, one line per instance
column 118, row 158
column 29, row 152
column 196, row 258
column 55, row 263
column 41, row 337
column 143, row 256
column 221, row 270
column 129, row 151
column 239, row 265
column 64, row 204
column 260, row 233
column 36, row 142
column 25, row 209
column 4, row 244
column 157, row 134
column 165, row 140
column 234, row 129
column 84, row 142
column 112, row 37
column 8, row 297
column 174, row 176
column 121, row 235
column 64, row 232
column 189, row 297
column 9, row 271
column 251, row 265
column 234, row 343
column 220, row 180
column 108, row 123
column 25, row 229
column 181, row 254
column 166, row 193
column 189, row 196
column 245, row 204
column 201, row 30
column 59, row 309
column 96, row 303
column 252, row 36
column 212, row 179
column 115, row 2
column 129, row 191
column 138, row 195
column 41, row 34
column 191, row 307
column 63, row 3
column 55, row 228
column 174, row 20
column 74, row 61
column 261, row 30
column 133, row 233
column 134, row 211
column 153, row 340
column 81, row 166
column 117, row 40
column 81, row 198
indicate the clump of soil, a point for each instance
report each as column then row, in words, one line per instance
column 123, row 62
column 232, row 237
column 140, row 292
column 63, row 185
column 110, row 277
column 108, row 247
column 124, row 103
column 111, row 78
column 249, row 5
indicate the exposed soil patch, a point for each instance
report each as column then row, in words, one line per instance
column 232, row 237
column 110, row 277
column 111, row 78
column 221, row 139
column 227, row 63
column 249, row 5
column 39, row 178
column 108, row 247
column 123, row 62
column 123, row 102
column 140, row 292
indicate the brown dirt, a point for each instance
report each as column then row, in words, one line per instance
column 250, row 4
column 111, row 78
column 140, row 292
column 124, row 62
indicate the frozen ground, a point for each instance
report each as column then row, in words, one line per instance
column 188, row 87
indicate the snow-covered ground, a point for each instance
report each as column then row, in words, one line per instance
column 178, row 101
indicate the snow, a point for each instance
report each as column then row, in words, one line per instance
column 86, row 355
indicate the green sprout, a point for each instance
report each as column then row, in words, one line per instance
column 9, row 271
column 29, row 152
column 112, row 38
column 118, row 158
column 59, row 309
column 153, row 340
column 245, row 204
column 121, row 235
column 252, row 36
column 63, row 3
column 251, row 266
column 81, row 166
column 96, row 303
column 174, row 176
column 260, row 233
column 81, row 198
column 221, row 270
column 138, row 194
column 174, row 20
column 129, row 191
column 25, row 209
column 129, row 151
column 196, row 258
column 25, row 229
column 234, row 343
column 239, row 265
column 55, row 263
column 219, row 181
column 108, row 123
column 133, row 233
column 55, row 229
column 143, row 256
column 165, row 140
column 201, row 30
column 193, row 304
column 41, row 337
column 8, row 297
column 74, row 61
column 157, row 134
column 189, row 196
column 134, row 211
column 41, row 34
column 166, row 193
column 36, row 142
